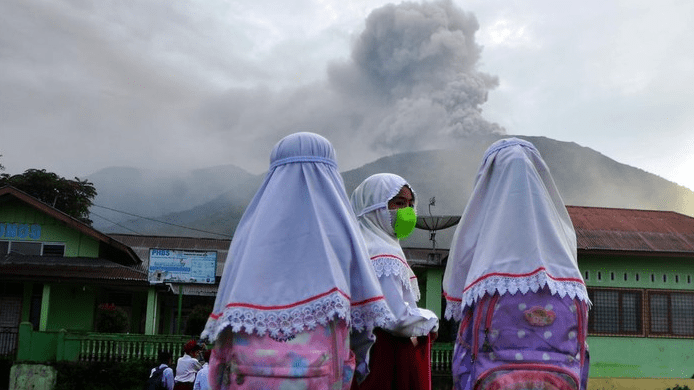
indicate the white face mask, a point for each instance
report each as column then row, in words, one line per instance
column 393, row 216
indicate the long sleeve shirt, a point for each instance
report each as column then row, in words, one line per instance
column 186, row 368
column 410, row 320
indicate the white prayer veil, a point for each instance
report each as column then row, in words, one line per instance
column 297, row 258
column 370, row 203
column 515, row 233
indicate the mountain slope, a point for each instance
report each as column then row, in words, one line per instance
column 152, row 194
column 584, row 178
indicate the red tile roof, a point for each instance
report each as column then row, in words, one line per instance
column 600, row 229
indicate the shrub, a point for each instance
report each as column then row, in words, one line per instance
column 111, row 319
column 130, row 375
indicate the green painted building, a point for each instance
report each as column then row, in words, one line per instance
column 56, row 272
column 59, row 273
column 639, row 269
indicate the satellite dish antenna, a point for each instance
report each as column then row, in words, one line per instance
column 433, row 223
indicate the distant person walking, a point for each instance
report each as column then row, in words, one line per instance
column 161, row 377
column 296, row 281
column 201, row 379
column 187, row 366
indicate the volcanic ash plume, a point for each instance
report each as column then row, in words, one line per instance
column 410, row 83
column 415, row 65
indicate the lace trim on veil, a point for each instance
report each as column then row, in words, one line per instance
column 386, row 266
column 509, row 284
column 286, row 323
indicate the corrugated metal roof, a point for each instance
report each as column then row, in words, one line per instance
column 612, row 229
column 597, row 229
column 142, row 244
column 68, row 268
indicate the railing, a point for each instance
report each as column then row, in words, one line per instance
column 93, row 347
column 99, row 347
column 441, row 357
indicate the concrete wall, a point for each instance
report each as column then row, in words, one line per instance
column 637, row 383
column 32, row 377
column 679, row 273
column 639, row 357
column 71, row 307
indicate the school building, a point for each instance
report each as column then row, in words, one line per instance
column 638, row 266
column 57, row 273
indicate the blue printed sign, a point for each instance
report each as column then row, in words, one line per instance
column 182, row 266
column 22, row 231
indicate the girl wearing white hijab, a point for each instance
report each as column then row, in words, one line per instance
column 512, row 278
column 385, row 204
column 296, row 279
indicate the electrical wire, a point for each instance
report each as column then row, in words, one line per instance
column 162, row 222
column 115, row 223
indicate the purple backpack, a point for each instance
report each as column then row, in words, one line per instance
column 533, row 341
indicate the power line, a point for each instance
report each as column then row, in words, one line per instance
column 163, row 222
column 115, row 223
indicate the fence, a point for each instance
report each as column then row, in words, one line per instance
column 441, row 358
column 118, row 348
column 99, row 347
column 93, row 347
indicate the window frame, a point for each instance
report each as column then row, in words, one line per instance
column 53, row 244
column 646, row 318
column 40, row 245
column 642, row 307
column 670, row 333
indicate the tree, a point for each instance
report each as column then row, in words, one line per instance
column 197, row 320
column 73, row 197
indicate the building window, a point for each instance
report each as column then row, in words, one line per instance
column 53, row 250
column 671, row 313
column 587, row 275
column 32, row 248
column 25, row 248
column 626, row 277
column 616, row 311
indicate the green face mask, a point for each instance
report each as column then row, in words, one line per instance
column 404, row 220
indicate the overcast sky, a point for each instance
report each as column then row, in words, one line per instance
column 179, row 85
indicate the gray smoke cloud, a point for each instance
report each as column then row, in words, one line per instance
column 411, row 83
column 420, row 61
column 143, row 86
